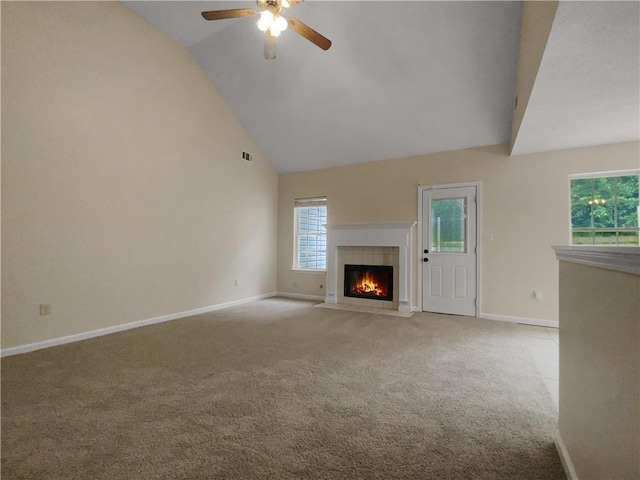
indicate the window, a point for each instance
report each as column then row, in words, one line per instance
column 310, row 246
column 604, row 209
column 448, row 225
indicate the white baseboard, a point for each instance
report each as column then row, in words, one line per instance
column 301, row 296
column 565, row 459
column 524, row 320
column 30, row 347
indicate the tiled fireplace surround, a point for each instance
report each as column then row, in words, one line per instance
column 368, row 256
column 370, row 244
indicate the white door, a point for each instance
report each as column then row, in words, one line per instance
column 449, row 250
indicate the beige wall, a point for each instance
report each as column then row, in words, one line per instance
column 524, row 208
column 124, row 196
column 599, row 416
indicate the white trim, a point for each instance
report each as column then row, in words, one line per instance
column 478, row 247
column 298, row 204
column 300, row 296
column 569, row 219
column 310, row 202
column 613, row 173
column 449, row 185
column 621, row 259
column 567, row 464
column 30, row 347
column 308, row 270
column 478, row 186
column 524, row 320
column 372, row 226
column 371, row 310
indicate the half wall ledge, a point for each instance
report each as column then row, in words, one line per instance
column 621, row 259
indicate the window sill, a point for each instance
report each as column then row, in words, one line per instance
column 308, row 270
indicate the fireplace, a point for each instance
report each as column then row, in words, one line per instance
column 369, row 281
column 371, row 244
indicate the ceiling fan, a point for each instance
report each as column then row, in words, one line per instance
column 273, row 23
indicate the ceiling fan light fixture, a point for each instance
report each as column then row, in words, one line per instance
column 265, row 21
column 280, row 23
column 272, row 23
column 275, row 23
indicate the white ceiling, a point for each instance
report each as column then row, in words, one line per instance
column 412, row 77
column 587, row 91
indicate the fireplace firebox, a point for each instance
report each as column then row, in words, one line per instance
column 368, row 281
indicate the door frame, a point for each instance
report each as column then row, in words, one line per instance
column 478, row 186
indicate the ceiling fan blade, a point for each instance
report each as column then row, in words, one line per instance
column 309, row 33
column 269, row 46
column 222, row 14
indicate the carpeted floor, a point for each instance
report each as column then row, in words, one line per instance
column 277, row 389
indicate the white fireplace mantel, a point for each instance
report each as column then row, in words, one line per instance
column 371, row 235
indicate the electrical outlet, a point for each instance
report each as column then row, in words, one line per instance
column 537, row 295
column 45, row 309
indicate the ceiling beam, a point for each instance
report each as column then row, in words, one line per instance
column 535, row 26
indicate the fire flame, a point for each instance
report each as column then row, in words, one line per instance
column 368, row 285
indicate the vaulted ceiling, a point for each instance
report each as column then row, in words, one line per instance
column 407, row 77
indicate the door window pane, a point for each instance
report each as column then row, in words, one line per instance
column 448, row 225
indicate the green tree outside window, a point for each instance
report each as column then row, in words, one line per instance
column 604, row 211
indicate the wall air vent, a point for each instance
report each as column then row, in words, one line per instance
column 247, row 156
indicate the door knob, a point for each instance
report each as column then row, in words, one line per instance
column 425, row 259
column 426, row 251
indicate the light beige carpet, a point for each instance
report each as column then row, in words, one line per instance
column 279, row 389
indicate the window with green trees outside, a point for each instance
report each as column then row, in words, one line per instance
column 604, row 210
